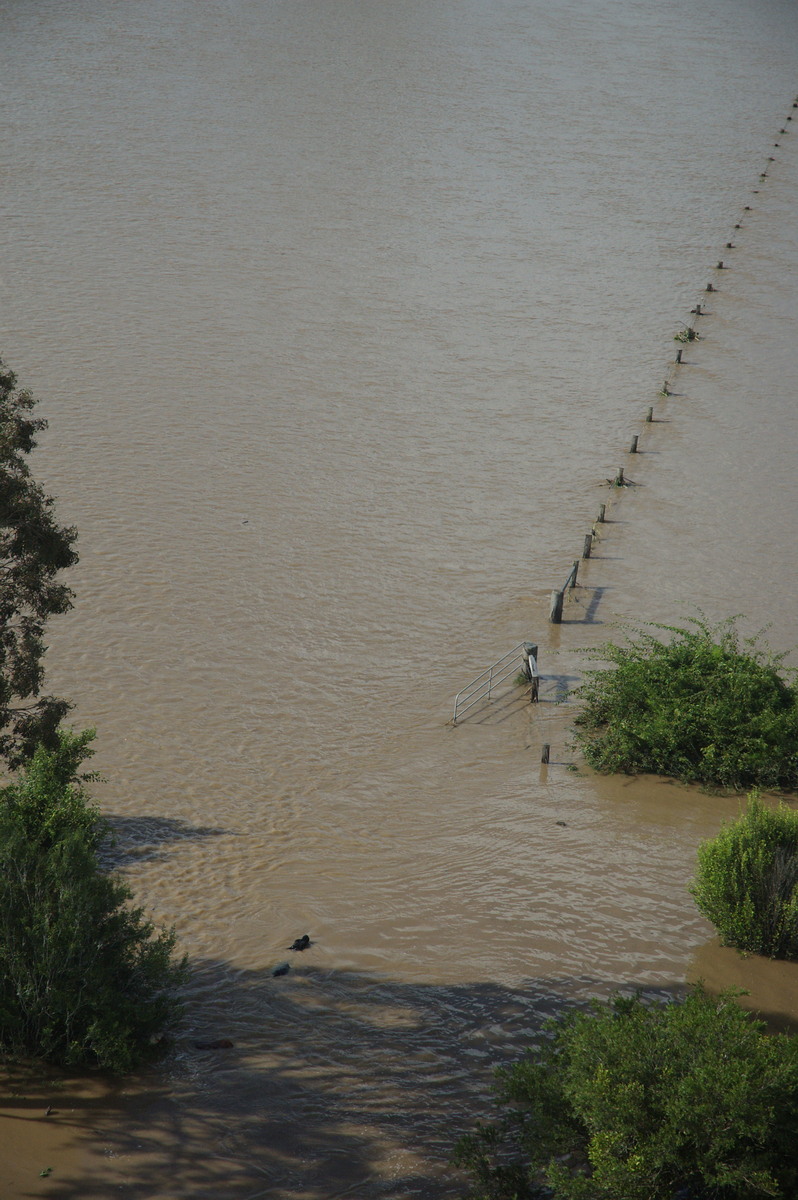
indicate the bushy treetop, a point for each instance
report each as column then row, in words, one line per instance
column 635, row 1101
column 747, row 881
column 85, row 978
column 704, row 706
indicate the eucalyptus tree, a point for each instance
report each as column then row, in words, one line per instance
column 34, row 549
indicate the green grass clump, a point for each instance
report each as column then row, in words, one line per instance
column 747, row 881
column 638, row 1101
column 703, row 707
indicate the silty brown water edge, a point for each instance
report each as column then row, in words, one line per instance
column 341, row 317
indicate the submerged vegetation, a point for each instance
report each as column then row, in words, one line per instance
column 85, row 979
column 702, row 707
column 638, row 1101
column 747, row 881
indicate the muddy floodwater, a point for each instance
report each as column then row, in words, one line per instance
column 342, row 315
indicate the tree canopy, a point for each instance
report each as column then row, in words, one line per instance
column 85, row 978
column 636, row 1101
column 34, row 548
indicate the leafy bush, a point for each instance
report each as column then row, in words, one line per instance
column 747, row 881
column 84, row 978
column 644, row 1102
column 702, row 708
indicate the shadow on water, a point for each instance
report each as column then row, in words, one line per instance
column 588, row 599
column 146, row 838
column 336, row 1083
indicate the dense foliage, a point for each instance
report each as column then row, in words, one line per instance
column 85, row 979
column 34, row 548
column 703, row 707
column 645, row 1102
column 747, row 881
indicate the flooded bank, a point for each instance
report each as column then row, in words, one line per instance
column 342, row 317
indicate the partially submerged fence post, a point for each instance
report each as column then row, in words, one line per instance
column 555, row 608
column 544, row 754
column 588, row 546
column 530, row 669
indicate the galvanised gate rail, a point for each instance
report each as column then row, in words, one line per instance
column 524, row 656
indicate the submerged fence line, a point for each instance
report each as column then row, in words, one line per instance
column 686, row 336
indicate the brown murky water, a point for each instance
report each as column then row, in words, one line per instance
column 342, row 314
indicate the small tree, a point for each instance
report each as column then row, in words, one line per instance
column 747, row 881
column 645, row 1102
column 34, row 548
column 703, row 707
column 85, row 979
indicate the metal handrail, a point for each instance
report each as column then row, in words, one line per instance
column 481, row 687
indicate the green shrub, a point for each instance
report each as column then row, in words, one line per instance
column 85, row 980
column 747, row 881
column 703, row 708
column 644, row 1102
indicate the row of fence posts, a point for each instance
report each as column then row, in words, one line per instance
column 530, row 650
column 558, row 596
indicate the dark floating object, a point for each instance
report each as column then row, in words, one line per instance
column 738, row 226
column 300, row 943
column 710, row 288
column 215, row 1044
column 720, row 265
column 730, row 245
column 281, row 969
column 748, row 208
column 565, row 823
